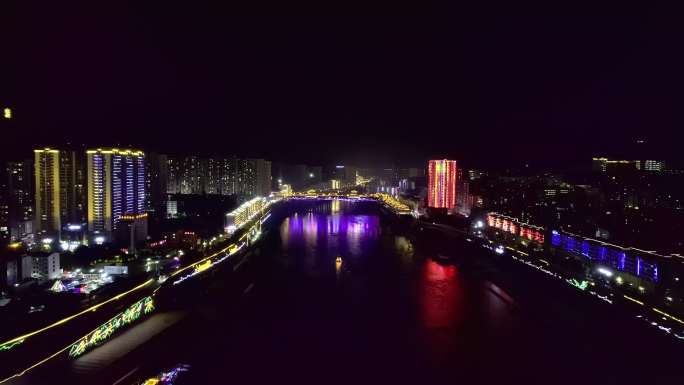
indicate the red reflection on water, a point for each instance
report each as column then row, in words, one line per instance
column 441, row 295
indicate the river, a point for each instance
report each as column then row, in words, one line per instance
column 342, row 292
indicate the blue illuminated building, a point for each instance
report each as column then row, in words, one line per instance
column 642, row 264
column 116, row 188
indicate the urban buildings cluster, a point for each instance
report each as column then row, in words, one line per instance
column 102, row 195
column 69, row 196
column 61, row 199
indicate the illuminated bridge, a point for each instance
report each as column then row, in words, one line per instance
column 392, row 203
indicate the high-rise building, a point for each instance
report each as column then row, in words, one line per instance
column 174, row 176
column 191, row 176
column 20, row 195
column 463, row 197
column 442, row 183
column 48, row 197
column 253, row 178
column 116, row 187
column 157, row 169
column 210, row 179
column 263, row 170
column 227, row 175
column 72, row 174
column 4, row 210
column 246, row 178
column 59, row 190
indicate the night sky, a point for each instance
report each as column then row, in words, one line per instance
column 389, row 83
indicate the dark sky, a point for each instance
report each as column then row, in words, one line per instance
column 341, row 82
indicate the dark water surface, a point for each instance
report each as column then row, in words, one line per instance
column 390, row 313
column 385, row 313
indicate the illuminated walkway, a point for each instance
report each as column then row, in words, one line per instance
column 105, row 355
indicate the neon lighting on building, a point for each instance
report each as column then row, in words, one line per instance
column 442, row 183
column 515, row 227
column 116, row 187
column 637, row 262
column 245, row 213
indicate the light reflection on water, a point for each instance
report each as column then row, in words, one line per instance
column 441, row 295
column 336, row 234
column 441, row 311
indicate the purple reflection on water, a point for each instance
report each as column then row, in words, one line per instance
column 338, row 233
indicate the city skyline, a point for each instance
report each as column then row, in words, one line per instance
column 341, row 192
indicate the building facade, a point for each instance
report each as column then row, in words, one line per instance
column 47, row 189
column 19, row 199
column 157, row 180
column 116, row 187
column 60, row 180
column 41, row 266
column 442, row 184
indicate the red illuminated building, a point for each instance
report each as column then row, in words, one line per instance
column 514, row 227
column 442, row 184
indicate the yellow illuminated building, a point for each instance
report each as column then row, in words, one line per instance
column 47, row 187
column 244, row 213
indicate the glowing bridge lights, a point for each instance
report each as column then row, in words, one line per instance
column 133, row 313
